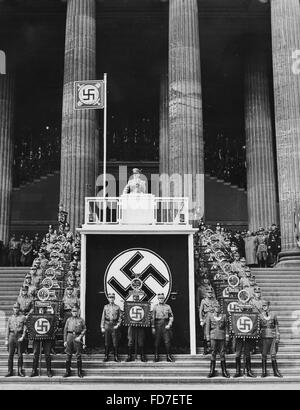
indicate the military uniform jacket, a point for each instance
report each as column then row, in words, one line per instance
column 269, row 328
column 111, row 314
column 75, row 325
column 25, row 303
column 216, row 328
column 262, row 243
column 206, row 307
column 257, row 304
column 16, row 325
column 70, row 302
column 135, row 186
column 162, row 312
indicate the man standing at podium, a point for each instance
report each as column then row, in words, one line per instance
column 135, row 184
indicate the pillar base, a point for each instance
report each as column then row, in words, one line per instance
column 289, row 259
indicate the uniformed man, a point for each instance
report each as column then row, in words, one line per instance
column 31, row 288
column 256, row 300
column 216, row 329
column 270, row 337
column 15, row 335
column 135, row 184
column 74, row 332
column 136, row 334
column 70, row 300
column 13, row 251
column 25, row 301
column 110, row 324
column 162, row 320
column 262, row 249
column 245, row 345
column 274, row 244
column 206, row 307
column 46, row 345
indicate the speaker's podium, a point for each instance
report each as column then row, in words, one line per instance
column 138, row 242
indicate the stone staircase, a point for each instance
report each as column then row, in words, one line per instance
column 282, row 288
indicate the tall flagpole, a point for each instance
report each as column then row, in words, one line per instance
column 104, row 146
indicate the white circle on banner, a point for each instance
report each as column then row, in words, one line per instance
column 42, row 326
column 244, row 324
column 136, row 313
column 88, row 94
column 144, row 264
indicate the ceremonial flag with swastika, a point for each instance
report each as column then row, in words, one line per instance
column 245, row 325
column 42, row 327
column 137, row 314
column 230, row 305
column 89, row 95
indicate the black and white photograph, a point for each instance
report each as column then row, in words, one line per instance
column 149, row 197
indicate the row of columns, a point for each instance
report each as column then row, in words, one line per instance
column 261, row 179
column 6, row 151
column 181, row 133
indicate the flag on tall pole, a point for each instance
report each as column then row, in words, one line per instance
column 297, row 220
column 92, row 95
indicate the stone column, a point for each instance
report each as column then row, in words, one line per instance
column 164, row 135
column 78, row 140
column 285, row 20
column 261, row 181
column 185, row 101
column 6, row 152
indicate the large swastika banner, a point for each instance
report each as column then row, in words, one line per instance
column 143, row 263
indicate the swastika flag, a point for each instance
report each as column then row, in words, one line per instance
column 42, row 327
column 89, row 95
column 137, row 314
column 244, row 325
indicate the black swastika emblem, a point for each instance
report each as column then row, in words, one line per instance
column 136, row 313
column 42, row 326
column 244, row 324
column 88, row 94
column 233, row 307
column 143, row 265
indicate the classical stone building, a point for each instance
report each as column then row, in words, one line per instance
column 215, row 64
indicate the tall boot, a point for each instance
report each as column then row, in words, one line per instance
column 169, row 356
column 34, row 372
column 48, row 366
column 129, row 356
column 106, row 357
column 275, row 368
column 238, row 372
column 79, row 368
column 21, row 372
column 212, row 372
column 143, row 357
column 116, row 355
column 156, row 356
column 205, row 348
column 248, row 367
column 68, row 367
column 10, row 367
column 224, row 369
column 264, row 367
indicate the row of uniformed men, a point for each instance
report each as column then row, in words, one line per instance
column 75, row 330
column 216, row 334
